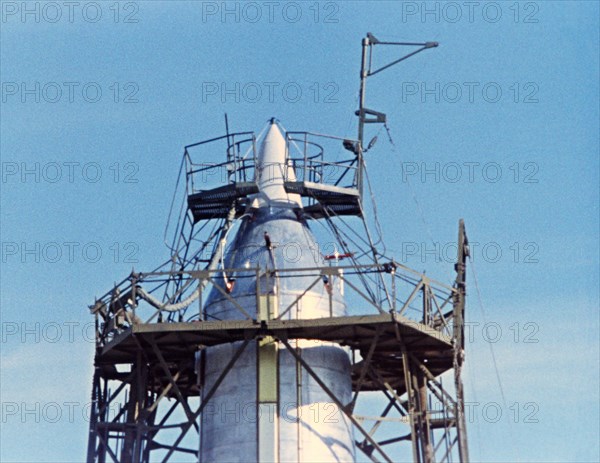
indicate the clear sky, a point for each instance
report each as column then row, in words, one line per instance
column 499, row 126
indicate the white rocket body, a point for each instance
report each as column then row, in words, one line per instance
column 268, row 408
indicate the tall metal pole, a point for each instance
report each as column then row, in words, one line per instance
column 365, row 71
column 459, row 343
column 361, row 114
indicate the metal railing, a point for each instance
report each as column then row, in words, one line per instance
column 130, row 302
column 305, row 154
column 241, row 159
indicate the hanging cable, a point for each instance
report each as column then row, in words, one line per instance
column 496, row 370
column 374, row 203
column 375, row 214
column 167, row 307
column 414, row 197
column 173, row 201
column 258, row 137
column 483, row 313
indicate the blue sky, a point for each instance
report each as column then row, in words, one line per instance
column 499, row 126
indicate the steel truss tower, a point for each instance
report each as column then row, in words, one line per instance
column 404, row 331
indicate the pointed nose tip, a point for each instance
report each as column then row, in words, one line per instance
column 274, row 136
column 273, row 170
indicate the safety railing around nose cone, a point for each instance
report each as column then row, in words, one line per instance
column 305, row 152
column 240, row 153
column 305, row 155
column 135, row 300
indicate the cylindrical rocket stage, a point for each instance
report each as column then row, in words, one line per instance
column 269, row 408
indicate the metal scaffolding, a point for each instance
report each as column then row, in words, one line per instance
column 393, row 355
column 405, row 331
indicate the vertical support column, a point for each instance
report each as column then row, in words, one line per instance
column 140, row 407
column 149, row 435
column 424, row 424
column 299, row 402
column 129, row 430
column 96, row 403
column 420, row 428
column 267, row 390
column 361, row 115
column 459, row 344
column 104, row 406
column 412, row 408
column 132, row 441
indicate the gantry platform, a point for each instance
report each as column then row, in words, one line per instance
column 385, row 334
column 324, row 199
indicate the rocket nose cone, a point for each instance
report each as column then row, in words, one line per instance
column 273, row 145
column 273, row 170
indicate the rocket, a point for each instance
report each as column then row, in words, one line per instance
column 269, row 391
column 268, row 408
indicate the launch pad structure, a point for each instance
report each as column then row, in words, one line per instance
column 402, row 330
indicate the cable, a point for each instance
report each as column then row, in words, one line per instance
column 377, row 225
column 414, row 197
column 173, row 202
column 167, row 307
column 258, row 137
column 472, row 384
column 496, row 370
column 485, row 321
column 375, row 213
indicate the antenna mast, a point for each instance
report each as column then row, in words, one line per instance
column 369, row 116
